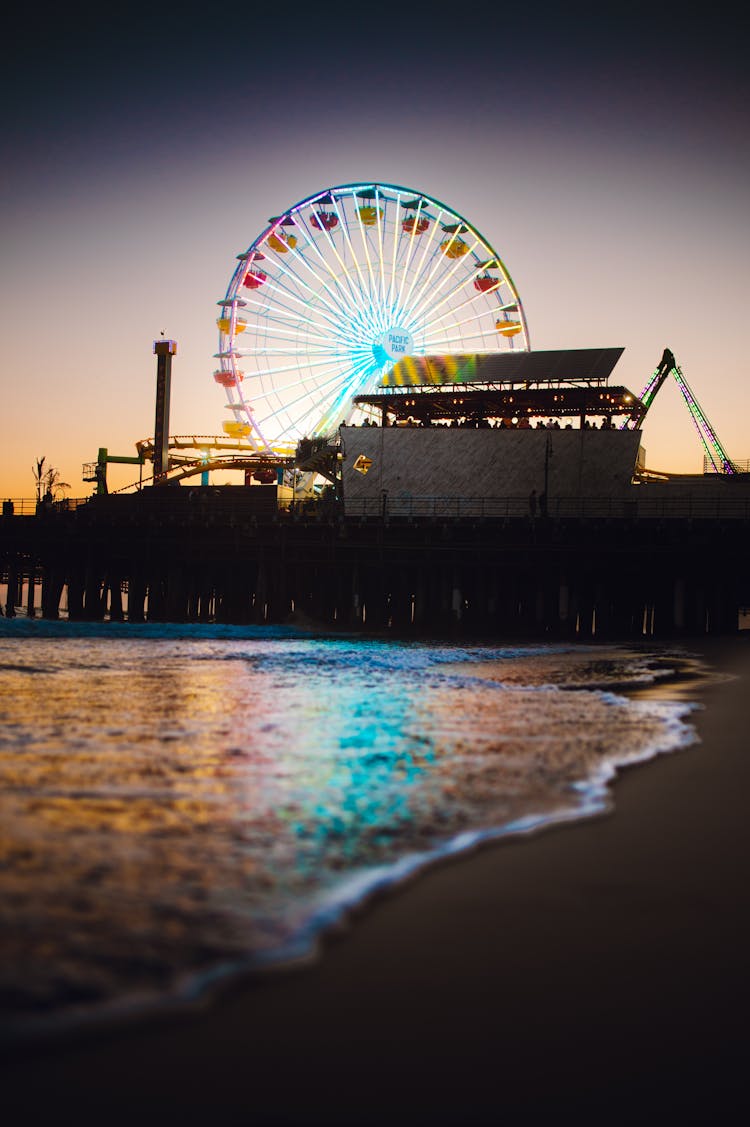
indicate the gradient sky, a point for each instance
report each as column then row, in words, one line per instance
column 605, row 158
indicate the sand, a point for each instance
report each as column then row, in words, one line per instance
column 596, row 970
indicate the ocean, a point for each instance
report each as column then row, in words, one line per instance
column 184, row 804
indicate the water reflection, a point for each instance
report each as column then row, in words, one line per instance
column 170, row 804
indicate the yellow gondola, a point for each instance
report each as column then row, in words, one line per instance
column 370, row 215
column 225, row 325
column 281, row 242
column 454, row 248
column 508, row 328
column 235, row 429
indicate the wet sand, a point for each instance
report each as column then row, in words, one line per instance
column 596, row 970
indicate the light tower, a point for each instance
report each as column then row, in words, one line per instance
column 164, row 350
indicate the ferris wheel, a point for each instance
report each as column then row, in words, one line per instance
column 339, row 288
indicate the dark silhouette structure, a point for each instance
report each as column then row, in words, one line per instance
column 229, row 554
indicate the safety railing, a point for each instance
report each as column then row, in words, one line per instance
column 557, row 508
column 29, row 506
column 738, row 465
column 640, row 505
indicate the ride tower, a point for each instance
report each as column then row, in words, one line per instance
column 164, row 350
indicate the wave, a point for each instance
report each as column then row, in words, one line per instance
column 172, row 823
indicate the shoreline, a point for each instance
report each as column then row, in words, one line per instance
column 543, row 972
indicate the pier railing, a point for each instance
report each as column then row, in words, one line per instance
column 556, row 508
column 638, row 505
column 29, row 506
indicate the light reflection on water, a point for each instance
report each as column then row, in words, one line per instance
column 173, row 804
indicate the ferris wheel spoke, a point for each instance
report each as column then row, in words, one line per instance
column 475, row 315
column 349, row 294
column 411, row 242
column 363, row 235
column 310, row 292
column 261, row 394
column 368, row 294
column 472, row 296
column 275, row 327
column 462, row 339
column 265, row 309
column 436, row 317
column 344, row 224
column 278, row 324
column 300, row 399
column 446, row 324
column 429, row 327
column 379, row 227
column 340, row 301
column 341, row 376
column 431, row 246
column 334, row 323
column 251, row 350
column 289, row 368
column 334, row 306
column 297, row 338
column 451, row 313
column 404, row 242
column 426, row 295
column 394, row 251
column 458, row 288
column 351, row 381
column 345, row 305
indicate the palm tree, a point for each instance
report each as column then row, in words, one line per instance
column 39, row 475
column 47, row 480
column 54, row 484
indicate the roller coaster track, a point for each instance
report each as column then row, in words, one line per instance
column 218, row 453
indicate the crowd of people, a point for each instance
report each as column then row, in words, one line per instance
column 498, row 424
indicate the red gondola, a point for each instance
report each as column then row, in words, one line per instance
column 486, row 283
column 227, row 378
column 324, row 220
column 254, row 279
column 414, row 226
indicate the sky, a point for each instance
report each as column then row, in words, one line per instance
column 605, row 157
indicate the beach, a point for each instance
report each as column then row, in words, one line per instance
column 596, row 969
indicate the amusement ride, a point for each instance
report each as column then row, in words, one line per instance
column 336, row 290
column 331, row 296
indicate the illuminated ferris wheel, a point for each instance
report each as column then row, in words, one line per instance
column 340, row 287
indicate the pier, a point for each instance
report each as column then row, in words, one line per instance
column 655, row 564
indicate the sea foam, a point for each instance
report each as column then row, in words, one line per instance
column 183, row 804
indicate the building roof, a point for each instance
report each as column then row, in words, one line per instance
column 588, row 366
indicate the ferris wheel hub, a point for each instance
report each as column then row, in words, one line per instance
column 392, row 346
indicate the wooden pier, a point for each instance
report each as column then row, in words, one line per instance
column 230, row 555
